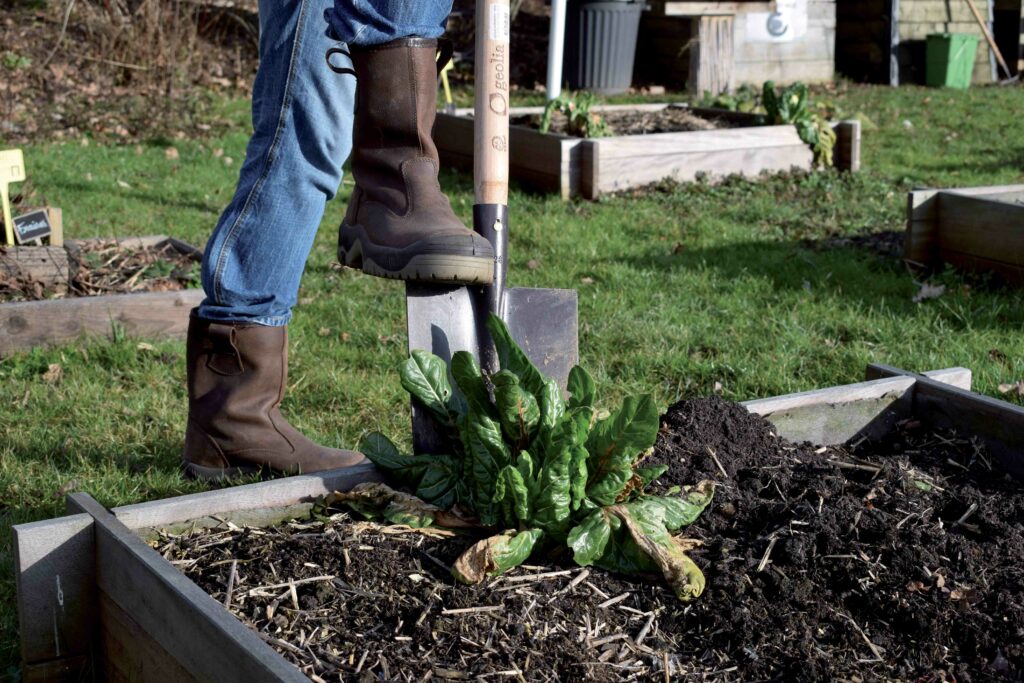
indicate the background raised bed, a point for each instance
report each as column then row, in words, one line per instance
column 573, row 166
column 28, row 324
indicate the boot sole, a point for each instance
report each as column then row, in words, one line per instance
column 223, row 475
column 436, row 268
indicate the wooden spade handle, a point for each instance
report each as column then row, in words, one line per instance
column 490, row 134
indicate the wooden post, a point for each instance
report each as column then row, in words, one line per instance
column 54, row 575
column 711, row 55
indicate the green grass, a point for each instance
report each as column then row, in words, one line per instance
column 680, row 289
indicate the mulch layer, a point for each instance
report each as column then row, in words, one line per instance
column 896, row 560
column 629, row 122
column 108, row 266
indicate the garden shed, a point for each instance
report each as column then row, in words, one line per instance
column 715, row 46
column 883, row 41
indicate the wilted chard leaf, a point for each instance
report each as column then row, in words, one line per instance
column 495, row 555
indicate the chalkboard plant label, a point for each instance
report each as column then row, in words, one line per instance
column 32, row 226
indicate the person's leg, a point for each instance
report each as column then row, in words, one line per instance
column 375, row 22
column 302, row 131
column 399, row 223
column 237, row 348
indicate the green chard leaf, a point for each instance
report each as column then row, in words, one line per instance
column 581, row 388
column 486, row 454
column 578, row 477
column 470, row 380
column 682, row 510
column 425, row 376
column 436, row 478
column 495, row 555
column 616, row 443
column 517, row 408
column 513, row 359
column 589, row 539
column 649, row 474
column 515, row 490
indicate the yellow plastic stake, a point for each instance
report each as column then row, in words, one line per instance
column 444, row 81
column 12, row 170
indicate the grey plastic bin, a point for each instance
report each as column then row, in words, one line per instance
column 600, row 44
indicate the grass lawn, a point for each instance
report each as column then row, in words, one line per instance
column 682, row 290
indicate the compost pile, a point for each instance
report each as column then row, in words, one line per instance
column 896, row 560
column 633, row 122
column 108, row 266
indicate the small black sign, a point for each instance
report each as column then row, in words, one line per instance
column 32, row 226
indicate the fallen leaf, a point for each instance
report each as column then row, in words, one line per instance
column 1017, row 387
column 172, row 154
column 345, row 336
column 143, row 346
column 228, row 161
column 928, row 291
column 587, row 280
column 53, row 374
column 219, row 152
column 121, row 183
column 324, row 331
column 533, row 264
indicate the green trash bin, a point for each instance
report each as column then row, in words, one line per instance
column 950, row 59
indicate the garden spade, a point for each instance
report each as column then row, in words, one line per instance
column 444, row 319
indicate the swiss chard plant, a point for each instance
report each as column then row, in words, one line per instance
column 791, row 106
column 581, row 121
column 536, row 470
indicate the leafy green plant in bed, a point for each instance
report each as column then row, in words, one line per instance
column 791, row 106
column 580, row 120
column 540, row 472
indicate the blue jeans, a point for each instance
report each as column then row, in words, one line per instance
column 302, row 135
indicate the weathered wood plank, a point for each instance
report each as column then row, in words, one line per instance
column 27, row 324
column 625, row 162
column 999, row 425
column 711, row 56
column 981, row 226
column 48, row 265
column 277, row 493
column 196, row 630
column 70, row 669
column 838, row 414
column 129, row 654
column 956, row 377
column 846, row 154
column 54, row 579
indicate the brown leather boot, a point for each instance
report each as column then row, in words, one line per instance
column 236, row 380
column 399, row 224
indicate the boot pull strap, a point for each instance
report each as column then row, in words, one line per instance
column 223, row 356
column 445, row 49
column 340, row 69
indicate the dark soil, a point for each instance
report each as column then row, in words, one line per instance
column 898, row 560
column 109, row 267
column 671, row 119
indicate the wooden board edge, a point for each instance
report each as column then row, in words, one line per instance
column 277, row 493
column 54, row 582
column 195, row 629
column 16, row 317
column 999, row 425
column 955, row 376
column 843, row 393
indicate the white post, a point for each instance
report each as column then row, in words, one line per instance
column 556, row 48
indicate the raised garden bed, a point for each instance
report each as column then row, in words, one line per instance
column 894, row 556
column 572, row 166
column 52, row 295
column 977, row 229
